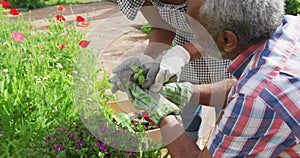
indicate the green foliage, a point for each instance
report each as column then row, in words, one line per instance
column 292, row 7
column 138, row 75
column 35, row 82
column 146, row 28
column 39, row 116
column 32, row 4
column 26, row 3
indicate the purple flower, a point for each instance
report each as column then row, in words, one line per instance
column 54, row 136
column 80, row 134
column 57, row 147
column 133, row 153
column 80, row 143
column 117, row 132
column 144, row 145
column 71, row 134
column 103, row 128
column 101, row 145
column 76, row 126
column 74, row 147
column 47, row 139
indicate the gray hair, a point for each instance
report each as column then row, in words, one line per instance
column 251, row 20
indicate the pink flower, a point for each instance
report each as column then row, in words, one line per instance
column 14, row 11
column 5, row 4
column 83, row 43
column 80, row 18
column 18, row 36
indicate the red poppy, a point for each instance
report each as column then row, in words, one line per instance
column 60, row 18
column 46, row 26
column 146, row 116
column 18, row 36
column 83, row 43
column 61, row 46
column 61, row 8
column 83, row 24
column 39, row 47
column 5, row 4
column 14, row 11
column 80, row 19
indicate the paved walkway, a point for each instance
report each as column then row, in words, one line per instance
column 112, row 35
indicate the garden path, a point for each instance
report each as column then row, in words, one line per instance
column 112, row 35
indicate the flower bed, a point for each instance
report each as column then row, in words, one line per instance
column 39, row 116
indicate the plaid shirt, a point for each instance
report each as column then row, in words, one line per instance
column 203, row 70
column 262, row 118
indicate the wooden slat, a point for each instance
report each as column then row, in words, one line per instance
column 122, row 106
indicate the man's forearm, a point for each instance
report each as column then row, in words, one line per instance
column 160, row 40
column 214, row 94
column 193, row 50
column 178, row 143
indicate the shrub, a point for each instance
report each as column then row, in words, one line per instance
column 292, row 7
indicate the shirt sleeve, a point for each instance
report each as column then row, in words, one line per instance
column 130, row 8
column 249, row 128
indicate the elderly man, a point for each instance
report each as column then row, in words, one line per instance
column 262, row 114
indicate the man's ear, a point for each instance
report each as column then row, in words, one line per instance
column 229, row 41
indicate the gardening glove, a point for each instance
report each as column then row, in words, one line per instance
column 157, row 106
column 124, row 70
column 178, row 93
column 167, row 66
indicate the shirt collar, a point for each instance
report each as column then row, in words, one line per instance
column 238, row 65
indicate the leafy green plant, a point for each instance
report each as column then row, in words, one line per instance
column 38, row 114
column 146, row 28
column 26, row 3
column 35, row 81
column 138, row 75
column 292, row 7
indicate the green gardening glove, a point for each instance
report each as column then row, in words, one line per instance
column 155, row 104
column 178, row 93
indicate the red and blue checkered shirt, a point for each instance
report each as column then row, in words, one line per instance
column 262, row 118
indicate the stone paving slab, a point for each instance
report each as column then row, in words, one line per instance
column 116, row 38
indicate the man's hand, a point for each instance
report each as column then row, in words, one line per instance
column 124, row 70
column 155, row 104
column 168, row 65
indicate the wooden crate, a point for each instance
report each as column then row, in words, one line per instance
column 126, row 107
column 208, row 115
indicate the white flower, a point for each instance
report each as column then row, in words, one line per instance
column 38, row 80
column 5, row 70
column 58, row 65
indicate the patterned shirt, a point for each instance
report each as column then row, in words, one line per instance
column 203, row 70
column 262, row 118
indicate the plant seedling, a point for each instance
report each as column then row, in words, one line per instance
column 138, row 75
